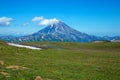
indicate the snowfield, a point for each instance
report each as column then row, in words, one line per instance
column 25, row 46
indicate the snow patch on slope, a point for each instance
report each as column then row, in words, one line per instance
column 25, row 46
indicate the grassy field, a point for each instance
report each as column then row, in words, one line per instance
column 61, row 61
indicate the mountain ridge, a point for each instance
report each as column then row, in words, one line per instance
column 58, row 32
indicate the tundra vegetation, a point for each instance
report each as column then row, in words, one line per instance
column 61, row 61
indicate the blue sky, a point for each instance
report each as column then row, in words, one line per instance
column 95, row 17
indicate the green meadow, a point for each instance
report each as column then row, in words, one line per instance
column 61, row 61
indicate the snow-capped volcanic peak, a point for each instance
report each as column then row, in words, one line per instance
column 59, row 31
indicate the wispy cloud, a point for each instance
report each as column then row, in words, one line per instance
column 43, row 21
column 37, row 18
column 26, row 24
column 5, row 21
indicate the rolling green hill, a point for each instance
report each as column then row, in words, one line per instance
column 61, row 61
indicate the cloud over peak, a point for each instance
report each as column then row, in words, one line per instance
column 48, row 21
column 44, row 22
column 5, row 21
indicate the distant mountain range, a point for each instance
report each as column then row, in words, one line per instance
column 57, row 32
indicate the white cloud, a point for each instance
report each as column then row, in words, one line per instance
column 42, row 21
column 4, row 21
